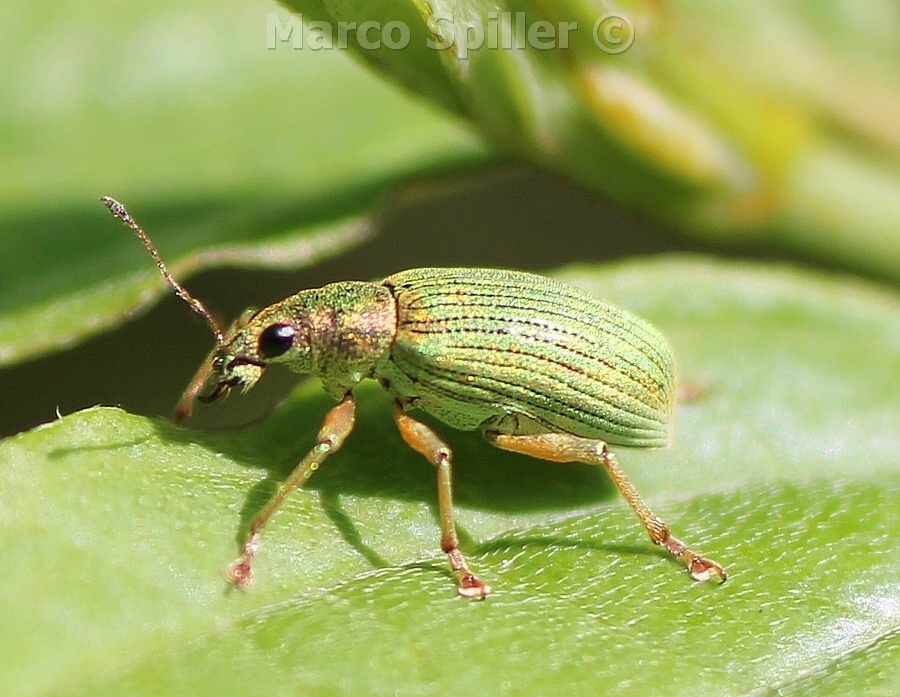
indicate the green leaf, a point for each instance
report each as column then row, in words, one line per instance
column 212, row 140
column 42, row 326
column 116, row 529
column 731, row 121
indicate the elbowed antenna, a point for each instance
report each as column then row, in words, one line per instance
column 118, row 210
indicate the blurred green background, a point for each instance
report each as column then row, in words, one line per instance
column 184, row 113
column 734, row 176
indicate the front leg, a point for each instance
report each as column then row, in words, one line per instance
column 423, row 440
column 564, row 447
column 337, row 426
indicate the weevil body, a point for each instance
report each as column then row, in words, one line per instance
column 539, row 367
column 502, row 351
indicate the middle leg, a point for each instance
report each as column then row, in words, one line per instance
column 423, row 440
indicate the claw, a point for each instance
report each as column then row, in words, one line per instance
column 470, row 587
column 240, row 573
column 703, row 569
column 700, row 569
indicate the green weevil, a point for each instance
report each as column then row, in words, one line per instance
column 541, row 368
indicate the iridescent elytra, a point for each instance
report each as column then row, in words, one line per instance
column 539, row 367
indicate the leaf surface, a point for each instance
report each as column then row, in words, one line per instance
column 116, row 529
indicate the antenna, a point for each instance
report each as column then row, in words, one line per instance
column 118, row 210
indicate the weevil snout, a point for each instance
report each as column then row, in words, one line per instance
column 245, row 351
column 246, row 347
column 236, row 362
column 233, row 372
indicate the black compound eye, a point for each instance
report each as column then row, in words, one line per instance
column 276, row 340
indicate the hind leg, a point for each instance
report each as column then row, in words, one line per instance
column 563, row 447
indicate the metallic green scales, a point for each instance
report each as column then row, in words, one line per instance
column 544, row 369
column 525, row 354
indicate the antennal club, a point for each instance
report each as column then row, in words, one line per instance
column 118, row 210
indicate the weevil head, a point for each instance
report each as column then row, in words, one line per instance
column 283, row 333
column 340, row 333
column 256, row 339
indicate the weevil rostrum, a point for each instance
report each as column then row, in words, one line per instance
column 541, row 368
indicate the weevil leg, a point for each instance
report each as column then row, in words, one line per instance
column 423, row 440
column 185, row 406
column 562, row 447
column 338, row 424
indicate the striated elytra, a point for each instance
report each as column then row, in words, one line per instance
column 540, row 367
column 477, row 346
